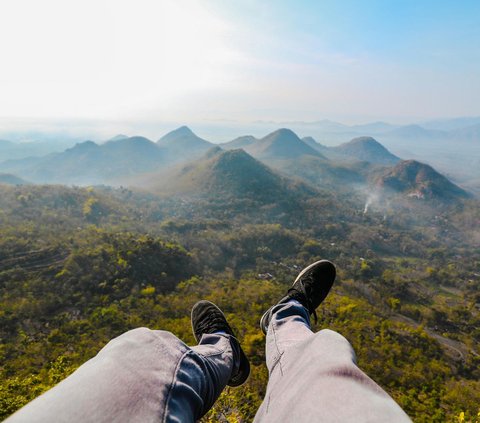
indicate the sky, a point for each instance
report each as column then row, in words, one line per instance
column 238, row 61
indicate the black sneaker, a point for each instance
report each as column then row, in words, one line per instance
column 208, row 318
column 310, row 288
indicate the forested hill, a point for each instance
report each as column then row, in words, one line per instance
column 79, row 266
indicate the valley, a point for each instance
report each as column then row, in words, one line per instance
column 164, row 224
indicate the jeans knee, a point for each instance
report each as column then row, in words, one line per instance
column 333, row 341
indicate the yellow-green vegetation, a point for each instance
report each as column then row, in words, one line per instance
column 407, row 296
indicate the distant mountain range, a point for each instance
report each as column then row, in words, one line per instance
column 19, row 150
column 415, row 132
column 181, row 162
column 90, row 163
column 451, row 124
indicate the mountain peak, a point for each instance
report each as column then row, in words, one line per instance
column 364, row 139
column 182, row 144
column 282, row 144
column 182, row 134
column 284, row 132
column 83, row 146
column 132, row 143
column 118, row 137
column 367, row 149
column 182, row 130
column 232, row 157
column 231, row 173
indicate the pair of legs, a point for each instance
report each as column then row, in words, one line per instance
column 152, row 376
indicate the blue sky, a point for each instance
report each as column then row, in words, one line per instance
column 192, row 60
column 401, row 59
column 401, row 30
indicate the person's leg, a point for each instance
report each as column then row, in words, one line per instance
column 289, row 325
column 314, row 377
column 145, row 376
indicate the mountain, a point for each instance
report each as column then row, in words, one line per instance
column 182, row 144
column 282, row 143
column 228, row 174
column 326, row 152
column 418, row 180
column 454, row 152
column 18, row 150
column 323, row 173
column 310, row 141
column 137, row 145
column 367, row 149
column 90, row 163
column 321, row 169
column 470, row 133
column 9, row 179
column 451, row 124
column 118, row 137
column 374, row 127
column 239, row 142
column 415, row 133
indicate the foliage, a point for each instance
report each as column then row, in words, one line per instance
column 80, row 266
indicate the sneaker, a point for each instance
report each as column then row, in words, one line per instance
column 208, row 318
column 310, row 288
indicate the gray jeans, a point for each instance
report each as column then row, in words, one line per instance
column 152, row 376
column 313, row 377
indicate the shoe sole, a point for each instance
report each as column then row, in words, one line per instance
column 262, row 324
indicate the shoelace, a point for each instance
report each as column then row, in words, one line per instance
column 210, row 324
column 306, row 297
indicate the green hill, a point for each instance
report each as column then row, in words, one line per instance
column 182, row 145
column 281, row 144
column 239, row 142
column 418, row 180
column 367, row 149
column 228, row 174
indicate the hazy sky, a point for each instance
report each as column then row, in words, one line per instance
column 245, row 60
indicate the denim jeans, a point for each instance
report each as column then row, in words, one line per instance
column 141, row 376
column 152, row 376
column 313, row 377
